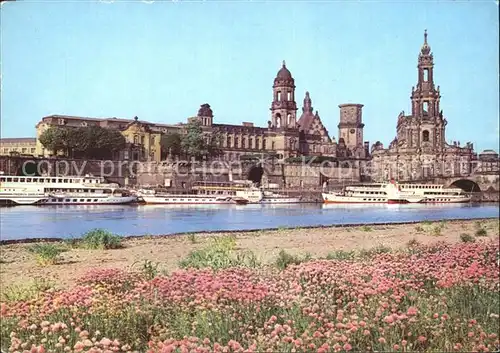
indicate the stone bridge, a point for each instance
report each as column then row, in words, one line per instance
column 472, row 183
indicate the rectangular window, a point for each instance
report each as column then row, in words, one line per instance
column 426, row 75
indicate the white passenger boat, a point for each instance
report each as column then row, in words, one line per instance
column 70, row 190
column 204, row 193
column 270, row 197
column 396, row 193
column 11, row 196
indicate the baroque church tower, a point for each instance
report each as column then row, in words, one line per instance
column 426, row 128
column 283, row 107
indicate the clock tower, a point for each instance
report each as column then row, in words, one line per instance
column 351, row 125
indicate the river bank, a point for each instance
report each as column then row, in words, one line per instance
column 18, row 266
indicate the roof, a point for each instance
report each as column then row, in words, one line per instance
column 113, row 119
column 18, row 140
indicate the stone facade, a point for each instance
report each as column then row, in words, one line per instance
column 17, row 146
column 419, row 150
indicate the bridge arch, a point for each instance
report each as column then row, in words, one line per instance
column 466, row 185
column 255, row 174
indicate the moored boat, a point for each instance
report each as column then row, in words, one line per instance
column 203, row 193
column 394, row 192
column 12, row 196
column 71, row 190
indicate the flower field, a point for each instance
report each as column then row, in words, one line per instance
column 438, row 297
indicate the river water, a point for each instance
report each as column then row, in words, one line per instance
column 23, row 222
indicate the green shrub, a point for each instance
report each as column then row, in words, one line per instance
column 341, row 255
column 192, row 238
column 26, row 291
column 413, row 243
column 467, row 238
column 366, row 228
column 481, row 232
column 380, row 249
column 285, row 259
column 436, row 231
column 46, row 254
column 101, row 239
column 419, row 229
column 148, row 269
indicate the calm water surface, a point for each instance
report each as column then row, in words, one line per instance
column 22, row 222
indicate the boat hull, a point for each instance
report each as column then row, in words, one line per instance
column 191, row 200
column 280, row 200
column 75, row 200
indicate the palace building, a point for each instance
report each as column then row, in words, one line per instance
column 419, row 149
column 285, row 136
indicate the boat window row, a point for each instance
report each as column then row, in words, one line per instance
column 371, row 192
column 82, row 191
column 416, row 186
column 374, row 200
column 48, row 180
column 73, row 200
column 441, row 193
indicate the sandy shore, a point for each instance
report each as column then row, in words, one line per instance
column 18, row 266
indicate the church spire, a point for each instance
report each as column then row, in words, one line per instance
column 307, row 108
column 426, row 49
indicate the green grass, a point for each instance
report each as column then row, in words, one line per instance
column 219, row 254
column 366, row 228
column 379, row 249
column 413, row 243
column 46, row 253
column 148, row 268
column 285, row 259
column 437, row 230
column 341, row 255
column 26, row 291
column 100, row 239
column 467, row 238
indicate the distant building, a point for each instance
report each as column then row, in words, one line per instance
column 419, row 150
column 143, row 138
column 17, row 146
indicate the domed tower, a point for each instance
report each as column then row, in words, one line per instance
column 206, row 115
column 284, row 108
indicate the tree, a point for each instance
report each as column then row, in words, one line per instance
column 94, row 142
column 57, row 139
column 171, row 145
column 194, row 144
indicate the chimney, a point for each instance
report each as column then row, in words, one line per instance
column 247, row 124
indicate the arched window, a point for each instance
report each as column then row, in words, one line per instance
column 425, row 136
column 236, row 144
column 289, row 119
column 252, row 143
column 425, row 108
column 278, row 96
column 228, row 142
column 278, row 120
column 243, row 142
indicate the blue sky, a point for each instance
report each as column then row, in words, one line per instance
column 162, row 60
